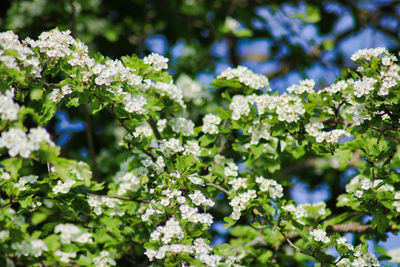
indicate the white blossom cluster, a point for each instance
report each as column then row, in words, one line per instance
column 170, row 90
column 25, row 58
column 63, row 187
column 259, row 130
column 305, row 86
column 127, row 181
column 361, row 260
column 71, row 233
column 363, row 87
column 239, row 106
column 64, row 256
column 319, row 235
column 4, row 175
column 298, row 212
column 389, row 78
column 231, row 169
column 114, row 70
column 238, row 183
column 360, row 183
column 171, row 230
column 24, row 180
column 33, row 248
column 191, row 90
column 199, row 199
column 337, row 87
column 134, row 103
column 199, row 248
column 192, row 148
column 8, row 109
column 59, row 93
column 210, row 124
column 194, row 178
column 171, row 146
column 5, row 234
column 240, row 203
column 156, row 61
column 142, row 130
column 287, row 107
column 97, row 202
column 368, row 54
column 192, row 214
column 314, row 128
column 246, row 77
column 274, row 189
column 104, row 260
column 20, row 143
column 182, row 126
column 342, row 241
column 232, row 24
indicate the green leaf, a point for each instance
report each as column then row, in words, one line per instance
column 380, row 222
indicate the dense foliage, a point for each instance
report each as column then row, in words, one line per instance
column 183, row 158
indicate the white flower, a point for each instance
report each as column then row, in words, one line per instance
column 210, row 124
column 367, row 54
column 64, row 256
column 8, row 109
column 134, row 103
column 63, row 187
column 306, row 86
column 104, row 260
column 157, row 61
column 320, row 235
column 246, row 77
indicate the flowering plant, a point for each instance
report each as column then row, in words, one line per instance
column 188, row 157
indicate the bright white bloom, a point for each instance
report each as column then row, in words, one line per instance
column 363, row 87
column 238, row 183
column 57, row 94
column 4, row 175
column 8, row 109
column 240, row 203
column 231, row 169
column 274, row 189
column 192, row 214
column 134, row 103
column 199, row 199
column 157, row 61
column 210, row 124
column 24, row 180
column 246, row 77
column 232, row 24
column 320, row 235
column 192, row 148
column 171, row 230
column 337, row 87
column 104, row 260
column 182, row 126
column 171, row 146
column 191, row 90
column 239, row 106
column 195, row 179
column 367, row 54
column 63, row 187
column 259, row 130
column 71, row 233
column 305, row 86
column 358, row 193
column 34, row 248
column 170, row 90
column 4, row 235
column 64, row 256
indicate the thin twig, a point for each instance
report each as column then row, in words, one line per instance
column 153, row 126
column 218, row 187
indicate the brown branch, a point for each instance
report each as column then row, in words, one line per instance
column 217, row 187
column 153, row 126
column 90, row 140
